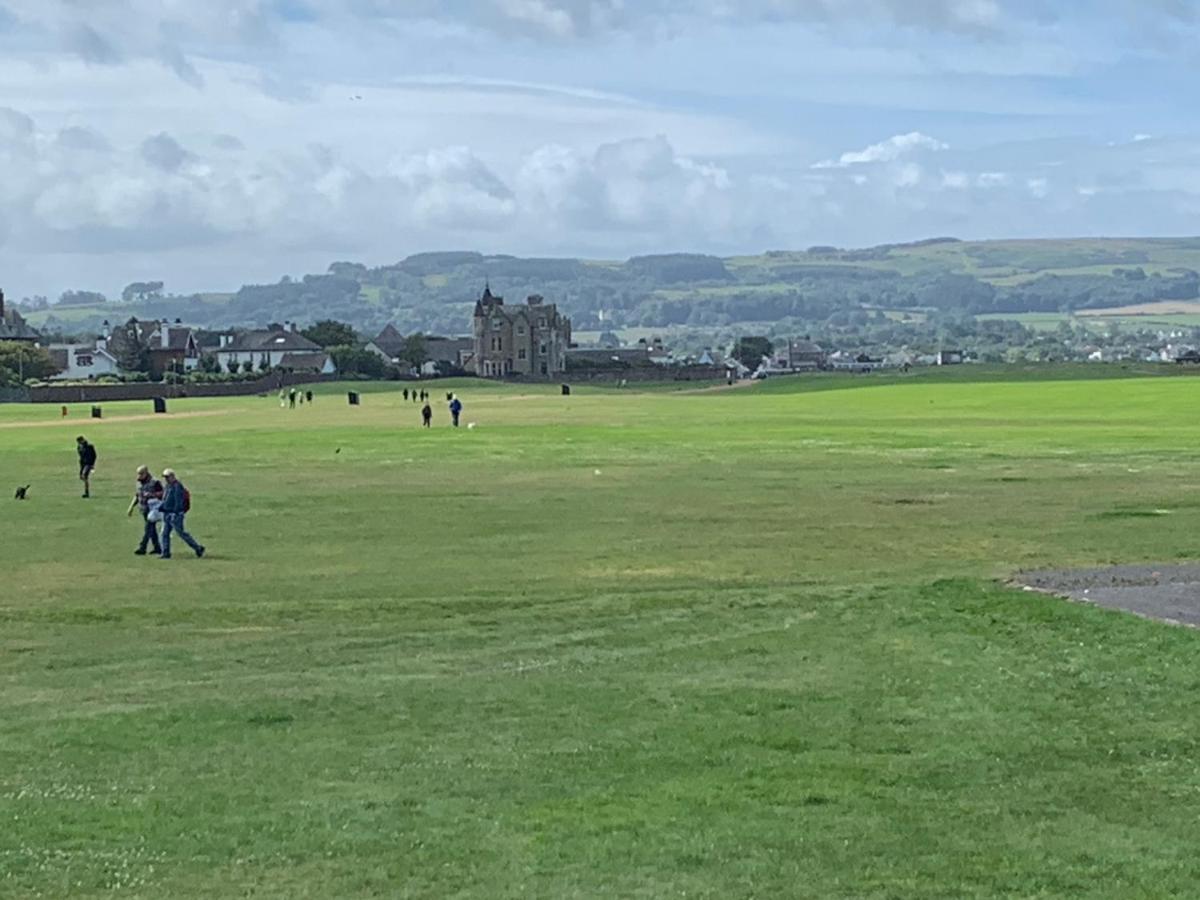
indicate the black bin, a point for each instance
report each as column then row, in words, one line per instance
column 352, row 396
column 566, row 390
column 160, row 405
column 96, row 414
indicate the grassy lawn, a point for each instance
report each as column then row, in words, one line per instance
column 716, row 644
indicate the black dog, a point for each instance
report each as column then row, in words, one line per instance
column 21, row 493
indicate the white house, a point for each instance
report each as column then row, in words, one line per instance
column 79, row 362
column 286, row 349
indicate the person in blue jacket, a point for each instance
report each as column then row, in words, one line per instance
column 175, row 505
column 455, row 410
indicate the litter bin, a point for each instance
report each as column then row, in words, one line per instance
column 352, row 396
column 96, row 414
column 160, row 405
column 566, row 390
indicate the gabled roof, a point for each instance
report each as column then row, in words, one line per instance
column 314, row 361
column 287, row 341
column 390, row 341
column 13, row 327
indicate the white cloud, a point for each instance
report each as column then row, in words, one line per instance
column 890, row 150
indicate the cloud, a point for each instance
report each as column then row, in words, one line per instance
column 164, row 152
column 892, row 149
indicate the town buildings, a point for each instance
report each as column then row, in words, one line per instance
column 282, row 348
column 529, row 340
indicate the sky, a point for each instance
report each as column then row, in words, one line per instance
column 213, row 144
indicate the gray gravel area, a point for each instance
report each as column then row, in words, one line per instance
column 1170, row 593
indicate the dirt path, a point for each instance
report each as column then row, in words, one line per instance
column 1167, row 593
column 88, row 423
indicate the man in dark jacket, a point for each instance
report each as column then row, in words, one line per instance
column 174, row 508
column 455, row 410
column 149, row 491
column 87, row 463
column 426, row 415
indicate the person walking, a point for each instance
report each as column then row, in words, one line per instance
column 292, row 398
column 148, row 498
column 455, row 410
column 308, row 394
column 176, row 504
column 87, row 464
column 426, row 415
column 406, row 395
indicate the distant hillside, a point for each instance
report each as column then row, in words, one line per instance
column 434, row 292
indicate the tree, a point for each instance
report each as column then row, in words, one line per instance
column 351, row 360
column 142, row 290
column 132, row 352
column 20, row 360
column 248, row 366
column 209, row 363
column 415, row 351
column 81, row 298
column 233, row 365
column 749, row 351
column 331, row 333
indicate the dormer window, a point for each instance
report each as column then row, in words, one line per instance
column 495, row 324
column 542, row 322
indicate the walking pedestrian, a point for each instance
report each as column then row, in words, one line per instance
column 406, row 395
column 292, row 398
column 308, row 394
column 87, row 464
column 176, row 504
column 148, row 498
column 455, row 410
column 426, row 415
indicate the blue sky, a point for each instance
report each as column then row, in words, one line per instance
column 206, row 144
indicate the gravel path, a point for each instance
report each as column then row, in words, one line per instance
column 1169, row 593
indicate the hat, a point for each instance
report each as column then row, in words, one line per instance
column 143, row 470
column 168, row 473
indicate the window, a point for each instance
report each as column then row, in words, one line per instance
column 495, row 324
column 542, row 322
column 544, row 372
column 542, row 348
column 521, row 353
column 83, row 360
column 521, row 328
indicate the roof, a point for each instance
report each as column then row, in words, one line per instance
column 177, row 337
column 390, row 341
column 447, row 349
column 287, row 341
column 13, row 327
column 314, row 361
column 627, row 356
column 804, row 346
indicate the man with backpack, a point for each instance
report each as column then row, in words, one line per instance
column 87, row 464
column 148, row 498
column 176, row 504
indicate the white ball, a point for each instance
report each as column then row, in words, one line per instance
column 470, row 425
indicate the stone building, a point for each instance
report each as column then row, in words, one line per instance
column 529, row 340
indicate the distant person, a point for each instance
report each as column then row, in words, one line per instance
column 148, row 498
column 282, row 398
column 87, row 464
column 427, row 415
column 406, row 395
column 414, row 396
column 292, row 398
column 176, row 504
column 455, row 410
column 300, row 396
column 308, row 394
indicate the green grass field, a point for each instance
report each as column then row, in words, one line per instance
column 745, row 643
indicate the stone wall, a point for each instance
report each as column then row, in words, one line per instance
column 100, row 393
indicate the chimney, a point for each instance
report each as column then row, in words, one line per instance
column 164, row 334
column 1, row 306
